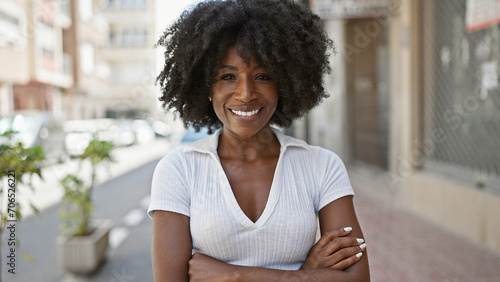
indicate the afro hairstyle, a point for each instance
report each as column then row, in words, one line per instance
column 284, row 36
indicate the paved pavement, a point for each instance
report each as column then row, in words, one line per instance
column 127, row 180
column 401, row 247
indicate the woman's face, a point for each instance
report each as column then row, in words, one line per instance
column 244, row 96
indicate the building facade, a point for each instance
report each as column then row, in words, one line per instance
column 131, row 55
column 35, row 69
column 84, row 42
column 415, row 100
column 13, row 51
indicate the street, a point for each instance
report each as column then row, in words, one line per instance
column 401, row 246
column 123, row 199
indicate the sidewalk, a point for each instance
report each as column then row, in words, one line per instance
column 402, row 247
column 127, row 180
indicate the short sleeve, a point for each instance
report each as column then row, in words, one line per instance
column 335, row 182
column 169, row 188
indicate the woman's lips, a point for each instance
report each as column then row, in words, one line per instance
column 245, row 113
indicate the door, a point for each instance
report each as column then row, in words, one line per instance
column 367, row 89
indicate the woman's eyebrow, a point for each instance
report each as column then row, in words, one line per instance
column 229, row 67
column 235, row 68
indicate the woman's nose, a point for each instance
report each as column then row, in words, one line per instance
column 245, row 89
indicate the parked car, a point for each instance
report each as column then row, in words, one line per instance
column 125, row 135
column 143, row 131
column 162, row 129
column 34, row 128
column 80, row 132
column 191, row 136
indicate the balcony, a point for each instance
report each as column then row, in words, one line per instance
column 117, row 53
column 55, row 71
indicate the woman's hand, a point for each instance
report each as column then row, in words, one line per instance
column 335, row 250
column 205, row 268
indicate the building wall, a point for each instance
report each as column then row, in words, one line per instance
column 454, row 206
column 84, row 41
column 328, row 122
column 6, row 98
column 447, row 197
column 13, row 42
column 13, row 51
column 131, row 55
column 46, row 23
column 33, row 63
column 17, row 60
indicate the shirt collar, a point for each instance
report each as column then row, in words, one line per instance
column 209, row 144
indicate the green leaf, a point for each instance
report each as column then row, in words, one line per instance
column 35, row 209
column 20, row 161
column 77, row 194
column 28, row 257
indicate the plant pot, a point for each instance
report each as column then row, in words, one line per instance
column 83, row 255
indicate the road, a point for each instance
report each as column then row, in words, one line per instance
column 123, row 199
column 397, row 240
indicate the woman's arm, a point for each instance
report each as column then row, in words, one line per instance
column 335, row 250
column 205, row 268
column 341, row 213
column 171, row 246
column 332, row 217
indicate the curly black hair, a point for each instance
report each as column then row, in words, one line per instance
column 284, row 36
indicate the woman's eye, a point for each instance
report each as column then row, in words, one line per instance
column 227, row 77
column 262, row 77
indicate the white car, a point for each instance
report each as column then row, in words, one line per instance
column 80, row 132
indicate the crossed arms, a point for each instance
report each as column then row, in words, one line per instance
column 339, row 255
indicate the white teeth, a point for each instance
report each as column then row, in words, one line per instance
column 245, row 114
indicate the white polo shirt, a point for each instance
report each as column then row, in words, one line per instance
column 192, row 182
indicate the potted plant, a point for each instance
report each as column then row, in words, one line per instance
column 18, row 164
column 82, row 244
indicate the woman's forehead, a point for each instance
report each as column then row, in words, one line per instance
column 235, row 52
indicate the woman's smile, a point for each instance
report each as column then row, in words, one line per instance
column 245, row 95
column 245, row 114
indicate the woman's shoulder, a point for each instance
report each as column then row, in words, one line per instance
column 184, row 157
column 324, row 153
column 300, row 152
column 314, row 152
column 174, row 157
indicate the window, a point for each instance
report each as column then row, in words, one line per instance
column 10, row 30
column 112, row 37
column 134, row 4
column 134, row 38
column 461, row 100
column 87, row 58
column 85, row 8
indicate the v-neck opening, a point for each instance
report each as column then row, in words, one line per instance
column 209, row 146
column 235, row 207
column 272, row 198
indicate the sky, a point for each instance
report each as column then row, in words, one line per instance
column 168, row 11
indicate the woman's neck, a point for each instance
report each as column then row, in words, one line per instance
column 264, row 144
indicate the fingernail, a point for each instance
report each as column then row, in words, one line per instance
column 347, row 228
column 358, row 255
column 362, row 246
column 360, row 240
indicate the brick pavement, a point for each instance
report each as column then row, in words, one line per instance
column 402, row 247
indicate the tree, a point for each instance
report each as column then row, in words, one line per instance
column 17, row 167
column 78, row 194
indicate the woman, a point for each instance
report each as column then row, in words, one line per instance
column 247, row 199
